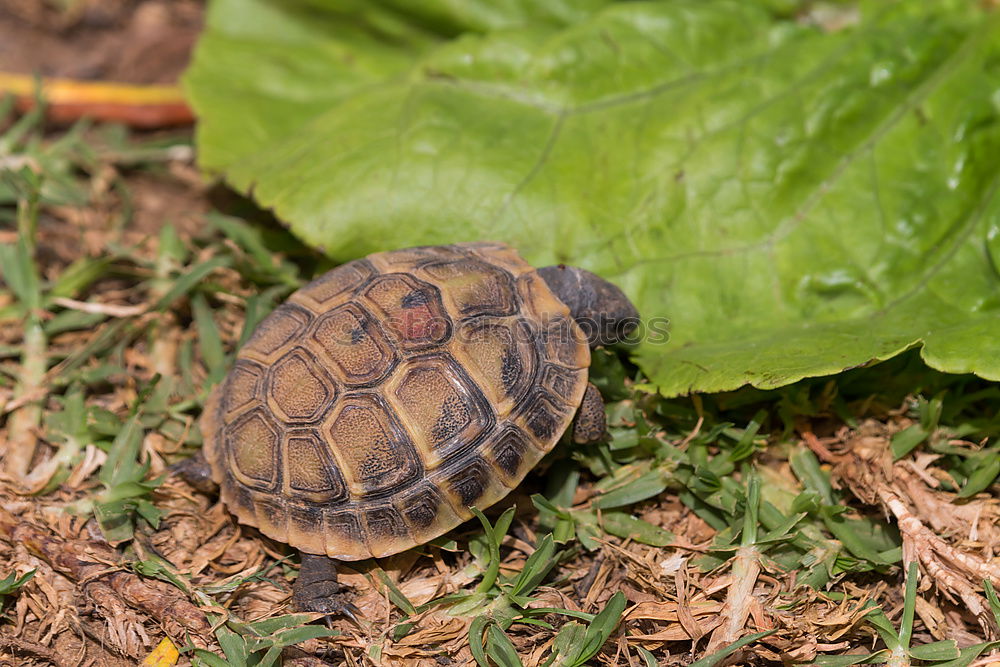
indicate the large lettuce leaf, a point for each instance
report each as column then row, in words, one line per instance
column 795, row 200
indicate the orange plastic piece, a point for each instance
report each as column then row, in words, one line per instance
column 68, row 100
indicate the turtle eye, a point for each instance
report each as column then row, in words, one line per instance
column 414, row 299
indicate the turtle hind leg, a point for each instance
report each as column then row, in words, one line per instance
column 318, row 590
column 196, row 472
column 590, row 424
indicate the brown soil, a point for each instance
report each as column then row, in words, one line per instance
column 132, row 41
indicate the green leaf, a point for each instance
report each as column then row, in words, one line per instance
column 122, row 465
column 991, row 596
column 301, row 634
column 494, row 534
column 71, row 320
column 208, row 658
column 233, row 645
column 79, row 275
column 745, row 446
column 567, row 645
column 779, row 200
column 906, row 441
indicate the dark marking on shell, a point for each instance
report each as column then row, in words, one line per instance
column 454, row 416
column 509, row 451
column 422, row 514
column 384, row 522
column 415, row 299
column 544, row 417
column 307, row 518
column 510, row 371
column 243, row 497
column 345, row 525
column 470, row 482
column 560, row 381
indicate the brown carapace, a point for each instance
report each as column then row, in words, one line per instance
column 369, row 412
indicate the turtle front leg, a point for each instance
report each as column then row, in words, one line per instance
column 590, row 424
column 317, row 588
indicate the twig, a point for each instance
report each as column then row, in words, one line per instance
column 101, row 308
column 745, row 571
column 24, row 647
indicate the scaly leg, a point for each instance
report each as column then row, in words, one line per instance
column 317, row 588
column 590, row 424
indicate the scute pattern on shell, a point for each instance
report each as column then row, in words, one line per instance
column 373, row 408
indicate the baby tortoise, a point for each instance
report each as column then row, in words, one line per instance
column 369, row 412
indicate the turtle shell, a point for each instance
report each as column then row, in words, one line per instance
column 369, row 412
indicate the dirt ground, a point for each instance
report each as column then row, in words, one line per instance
column 110, row 40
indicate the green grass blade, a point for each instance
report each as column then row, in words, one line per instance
column 500, row 648
column 717, row 657
column 877, row 618
column 909, row 605
column 535, row 568
column 991, row 596
column 395, row 595
column 846, row 660
column 493, row 537
column 967, row 655
column 190, row 280
column 17, row 268
column 652, row 483
column 648, row 659
column 204, row 657
column 624, row 525
column 601, row 627
column 983, row 475
column 936, row 651
column 12, row 582
column 477, row 629
column 209, row 339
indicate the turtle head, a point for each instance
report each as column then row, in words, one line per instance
column 601, row 310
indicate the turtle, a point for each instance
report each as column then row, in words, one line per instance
column 373, row 409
